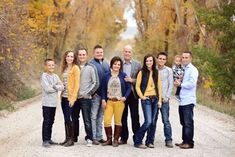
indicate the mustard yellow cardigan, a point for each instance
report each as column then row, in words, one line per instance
column 73, row 83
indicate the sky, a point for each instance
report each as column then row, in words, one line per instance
column 131, row 30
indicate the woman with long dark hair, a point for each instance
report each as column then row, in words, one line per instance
column 148, row 88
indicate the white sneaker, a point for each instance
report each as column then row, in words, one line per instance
column 88, row 143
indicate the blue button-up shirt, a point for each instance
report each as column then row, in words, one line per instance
column 188, row 85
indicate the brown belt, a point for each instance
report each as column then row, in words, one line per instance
column 113, row 99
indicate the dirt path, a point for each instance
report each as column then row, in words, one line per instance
column 20, row 136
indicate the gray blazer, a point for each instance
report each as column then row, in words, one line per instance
column 135, row 68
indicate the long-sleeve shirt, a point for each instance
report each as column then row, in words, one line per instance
column 89, row 81
column 188, row 86
column 166, row 76
column 150, row 89
column 51, row 84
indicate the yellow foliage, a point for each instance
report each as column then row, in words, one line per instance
column 208, row 83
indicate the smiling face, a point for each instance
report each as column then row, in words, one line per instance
column 186, row 58
column 50, row 66
column 127, row 53
column 149, row 62
column 98, row 53
column 82, row 56
column 116, row 66
column 161, row 60
column 70, row 58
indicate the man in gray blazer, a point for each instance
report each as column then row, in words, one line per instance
column 131, row 67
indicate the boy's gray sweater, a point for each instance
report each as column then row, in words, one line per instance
column 51, row 84
column 89, row 81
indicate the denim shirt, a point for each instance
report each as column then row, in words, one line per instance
column 188, row 85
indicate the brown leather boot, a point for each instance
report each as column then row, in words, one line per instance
column 117, row 133
column 70, row 135
column 108, row 131
column 66, row 134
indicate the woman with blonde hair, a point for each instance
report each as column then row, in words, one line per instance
column 71, row 81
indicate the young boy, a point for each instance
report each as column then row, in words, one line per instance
column 51, row 84
column 178, row 73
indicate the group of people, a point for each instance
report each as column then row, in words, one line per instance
column 102, row 91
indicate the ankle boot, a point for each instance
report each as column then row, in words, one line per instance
column 70, row 135
column 117, row 133
column 66, row 134
column 108, row 131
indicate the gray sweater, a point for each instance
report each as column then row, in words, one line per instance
column 51, row 84
column 166, row 75
column 89, row 81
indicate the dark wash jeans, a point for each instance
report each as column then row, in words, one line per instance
column 85, row 106
column 166, row 122
column 149, row 107
column 186, row 120
column 67, row 110
column 48, row 120
column 133, row 104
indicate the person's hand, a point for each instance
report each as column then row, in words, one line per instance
column 177, row 82
column 123, row 99
column 71, row 103
column 159, row 104
column 145, row 98
column 104, row 104
column 128, row 79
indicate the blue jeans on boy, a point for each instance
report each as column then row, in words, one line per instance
column 85, row 106
column 166, row 122
column 186, row 120
column 67, row 110
column 48, row 120
column 149, row 107
column 97, row 115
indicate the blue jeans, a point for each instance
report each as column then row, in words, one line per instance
column 97, row 115
column 48, row 120
column 149, row 107
column 85, row 106
column 165, row 120
column 186, row 120
column 67, row 110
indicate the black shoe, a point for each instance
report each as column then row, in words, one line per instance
column 102, row 141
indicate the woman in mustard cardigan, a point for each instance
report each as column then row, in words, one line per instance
column 71, row 81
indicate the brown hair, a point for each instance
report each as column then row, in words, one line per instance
column 64, row 63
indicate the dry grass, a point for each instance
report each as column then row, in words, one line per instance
column 205, row 98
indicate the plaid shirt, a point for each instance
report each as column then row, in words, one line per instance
column 178, row 72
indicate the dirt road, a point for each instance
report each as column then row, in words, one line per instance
column 20, row 136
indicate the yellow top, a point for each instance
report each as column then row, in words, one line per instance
column 150, row 89
column 73, row 83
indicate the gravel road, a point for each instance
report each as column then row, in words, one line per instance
column 20, row 136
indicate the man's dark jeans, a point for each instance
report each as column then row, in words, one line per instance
column 132, row 102
column 48, row 120
column 186, row 120
column 85, row 106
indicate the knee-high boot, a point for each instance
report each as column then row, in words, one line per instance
column 108, row 131
column 117, row 133
column 70, row 135
column 66, row 134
